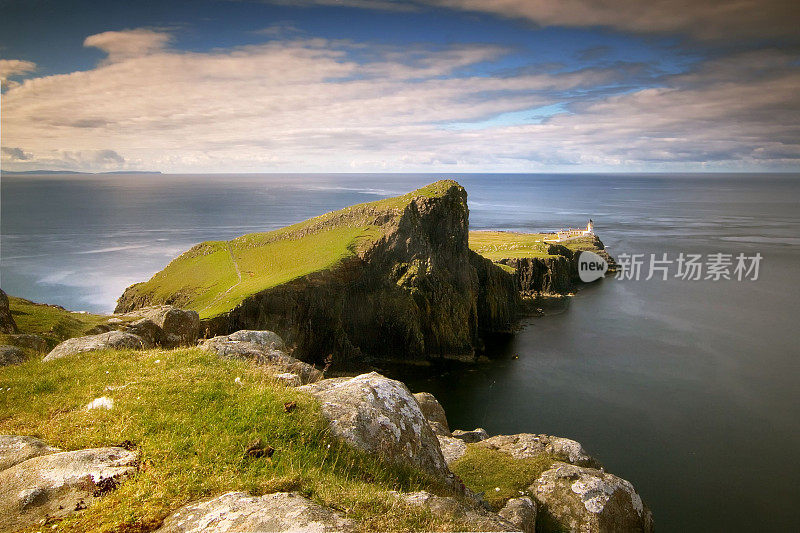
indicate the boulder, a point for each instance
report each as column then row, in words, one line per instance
column 15, row 448
column 146, row 329
column 27, row 340
column 10, row 355
column 581, row 499
column 524, row 445
column 380, row 416
column 469, row 514
column 51, row 486
column 7, row 324
column 452, row 448
column 476, row 435
column 113, row 339
column 181, row 327
column 261, row 352
column 521, row 512
column 267, row 340
column 238, row 511
column 434, row 413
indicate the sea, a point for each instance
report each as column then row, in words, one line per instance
column 689, row 388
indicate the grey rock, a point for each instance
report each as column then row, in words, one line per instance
column 10, row 355
column 471, row 515
column 7, row 324
column 113, row 339
column 238, row 511
column 380, row 416
column 452, row 448
column 521, row 512
column 27, row 340
column 181, row 327
column 524, row 445
column 264, row 339
column 15, row 449
column 588, row 500
column 476, row 435
column 262, row 353
column 54, row 485
column 146, row 329
column 434, row 413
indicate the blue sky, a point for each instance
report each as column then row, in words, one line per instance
column 384, row 86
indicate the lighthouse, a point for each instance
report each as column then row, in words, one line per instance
column 589, row 228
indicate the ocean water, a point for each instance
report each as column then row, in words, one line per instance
column 689, row 389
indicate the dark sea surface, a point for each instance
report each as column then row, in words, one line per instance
column 689, row 389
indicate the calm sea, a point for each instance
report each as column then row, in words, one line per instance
column 689, row 389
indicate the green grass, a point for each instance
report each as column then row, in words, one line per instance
column 496, row 245
column 51, row 322
column 213, row 277
column 485, row 471
column 191, row 423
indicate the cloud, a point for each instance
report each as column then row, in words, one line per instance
column 15, row 154
column 13, row 67
column 120, row 45
column 309, row 105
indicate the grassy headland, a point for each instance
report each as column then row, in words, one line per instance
column 496, row 245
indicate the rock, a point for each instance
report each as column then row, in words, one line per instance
column 587, row 500
column 51, row 486
column 14, row 449
column 98, row 329
column 289, row 379
column 452, row 448
column 10, row 355
column 103, row 402
column 380, row 416
column 476, row 435
column 262, row 353
column 146, row 329
column 181, row 327
column 434, row 413
column 113, row 339
column 267, row 340
column 238, row 511
column 521, row 512
column 7, row 324
column 523, row 445
column 473, row 516
column 27, row 340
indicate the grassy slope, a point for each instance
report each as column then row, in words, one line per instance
column 213, row 277
column 194, row 447
column 496, row 245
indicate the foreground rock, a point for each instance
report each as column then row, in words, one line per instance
column 380, row 416
column 118, row 340
column 180, row 327
column 452, row 448
column 521, row 512
column 54, row 485
column 433, row 412
column 262, row 347
column 238, row 511
column 473, row 517
column 10, row 355
column 15, row 449
column 7, row 324
column 589, row 500
column 525, row 445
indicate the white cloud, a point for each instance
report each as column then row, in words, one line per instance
column 13, row 67
column 120, row 45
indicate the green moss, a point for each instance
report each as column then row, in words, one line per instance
column 498, row 475
column 191, row 422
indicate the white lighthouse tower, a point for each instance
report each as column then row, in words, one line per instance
column 589, row 228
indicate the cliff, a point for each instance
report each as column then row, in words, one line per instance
column 387, row 280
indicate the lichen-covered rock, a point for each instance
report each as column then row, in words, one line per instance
column 15, row 449
column 181, row 327
column 268, row 340
column 10, row 355
column 238, row 511
column 27, row 340
column 113, row 339
column 476, row 435
column 379, row 415
column 434, row 413
column 524, row 445
column 521, row 512
column 588, row 500
column 56, row 484
column 452, row 448
column 262, row 352
column 7, row 324
column 474, row 517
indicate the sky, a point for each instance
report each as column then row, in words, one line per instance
column 400, row 86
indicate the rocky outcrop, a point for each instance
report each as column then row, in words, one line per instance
column 472, row 516
column 452, row 448
column 433, row 412
column 238, row 511
column 54, row 485
column 179, row 327
column 380, row 416
column 15, row 449
column 525, row 445
column 113, row 339
column 7, row 324
column 587, row 500
column 10, row 355
column 474, row 435
column 261, row 347
column 521, row 512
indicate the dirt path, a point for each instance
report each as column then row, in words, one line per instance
column 238, row 275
